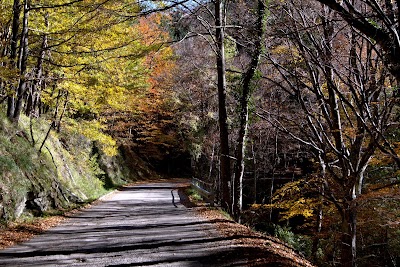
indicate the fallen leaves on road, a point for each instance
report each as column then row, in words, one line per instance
column 18, row 232
column 256, row 249
column 259, row 249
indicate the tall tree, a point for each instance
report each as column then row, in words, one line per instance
column 22, row 62
column 341, row 88
column 246, row 90
column 13, row 53
column 225, row 169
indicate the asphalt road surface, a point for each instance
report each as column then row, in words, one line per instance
column 143, row 225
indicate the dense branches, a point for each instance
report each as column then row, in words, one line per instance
column 344, row 93
column 377, row 20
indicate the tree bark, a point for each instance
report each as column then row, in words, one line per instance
column 247, row 88
column 32, row 99
column 349, row 231
column 23, row 61
column 223, row 117
column 13, row 54
column 320, row 214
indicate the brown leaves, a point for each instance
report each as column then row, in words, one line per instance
column 21, row 231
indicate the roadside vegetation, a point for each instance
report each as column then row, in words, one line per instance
column 293, row 116
column 70, row 170
column 289, row 110
column 76, row 79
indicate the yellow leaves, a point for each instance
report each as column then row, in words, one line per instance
column 288, row 53
column 109, row 62
column 301, row 206
column 350, row 132
column 280, row 49
column 288, row 189
column 5, row 12
column 297, row 198
column 93, row 130
column 382, row 159
column 291, row 208
column 98, row 61
column 8, row 74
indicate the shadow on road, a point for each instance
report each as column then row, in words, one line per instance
column 139, row 226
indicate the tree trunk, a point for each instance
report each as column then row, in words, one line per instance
column 223, row 117
column 255, row 175
column 32, row 99
column 211, row 163
column 23, row 61
column 58, row 126
column 274, row 165
column 240, row 157
column 247, row 88
column 349, row 231
column 318, row 226
column 13, row 54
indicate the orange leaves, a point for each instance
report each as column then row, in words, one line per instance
column 150, row 30
column 159, row 62
column 151, row 131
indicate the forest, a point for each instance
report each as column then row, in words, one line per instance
column 289, row 110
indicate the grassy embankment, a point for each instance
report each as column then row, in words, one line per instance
column 69, row 170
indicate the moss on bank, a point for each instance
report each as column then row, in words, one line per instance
column 69, row 169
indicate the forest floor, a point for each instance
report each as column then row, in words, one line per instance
column 278, row 252
column 26, row 228
column 240, row 245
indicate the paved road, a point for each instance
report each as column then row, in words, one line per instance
column 141, row 225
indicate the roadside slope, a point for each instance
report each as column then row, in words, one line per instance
column 42, row 173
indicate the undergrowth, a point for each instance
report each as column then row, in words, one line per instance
column 37, row 177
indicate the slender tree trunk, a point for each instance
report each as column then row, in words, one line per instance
column 318, row 226
column 275, row 162
column 255, row 175
column 13, row 54
column 223, row 117
column 244, row 114
column 58, row 126
column 35, row 88
column 348, row 213
column 23, row 61
column 53, row 124
column 211, row 163
column 10, row 106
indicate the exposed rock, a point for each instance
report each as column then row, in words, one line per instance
column 37, row 202
column 20, row 207
column 74, row 198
